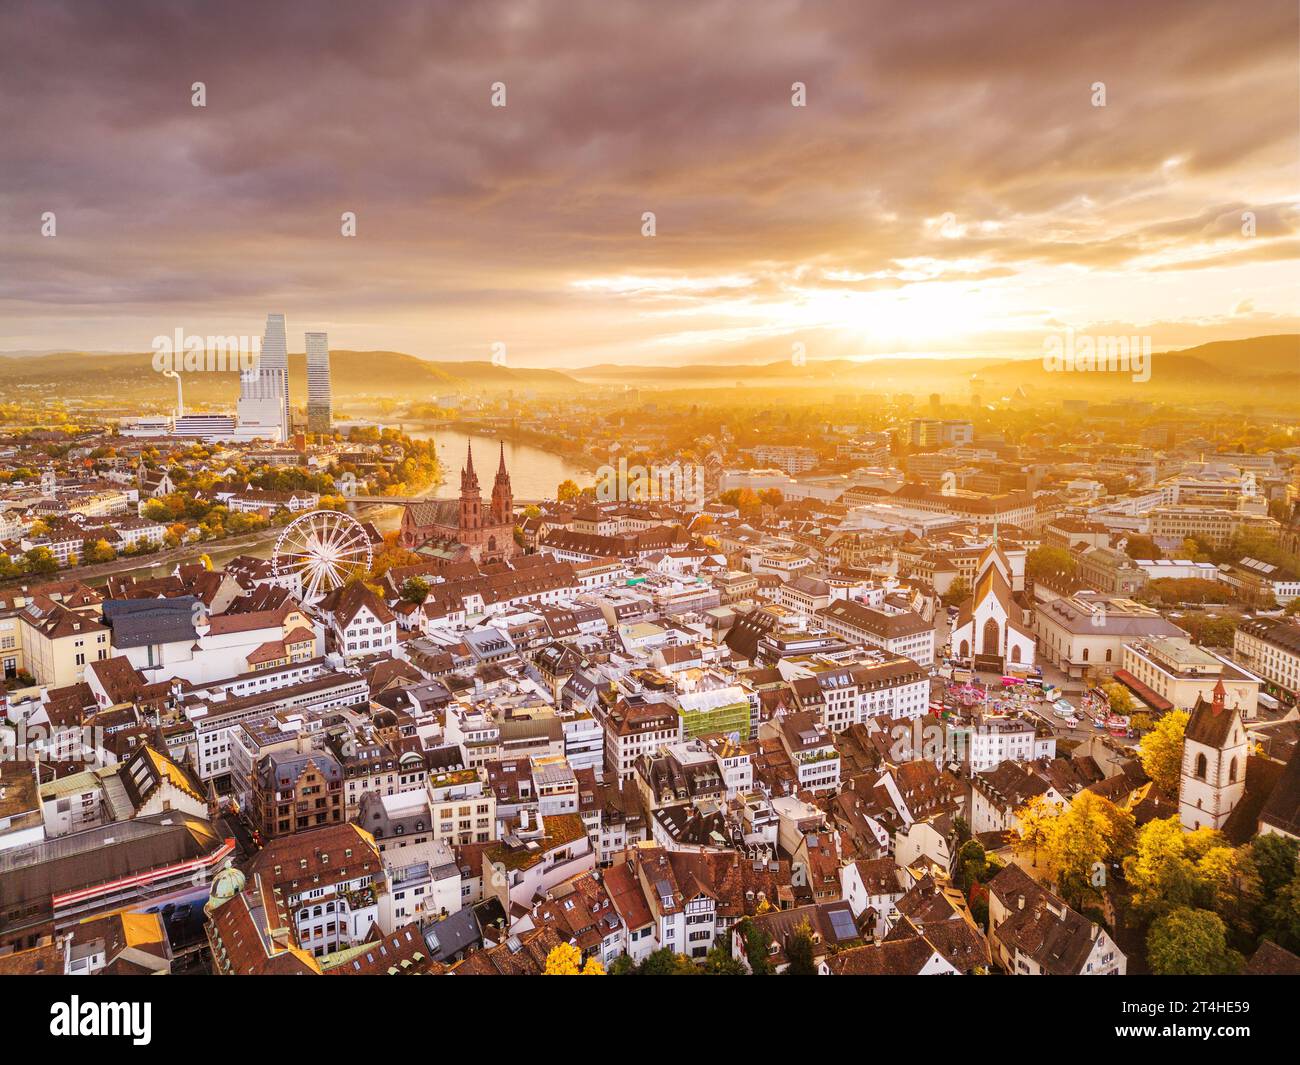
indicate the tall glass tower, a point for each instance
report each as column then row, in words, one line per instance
column 318, row 383
column 264, row 390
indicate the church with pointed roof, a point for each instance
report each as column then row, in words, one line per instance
column 461, row 530
column 1213, row 777
column 991, row 630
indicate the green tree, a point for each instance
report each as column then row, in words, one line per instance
column 1191, row 942
column 415, row 589
column 622, row 966
column 958, row 592
column 1051, row 565
column 40, row 561
column 719, row 962
column 662, row 962
column 1275, row 861
column 758, row 945
column 1142, row 547
column 799, row 952
column 972, row 864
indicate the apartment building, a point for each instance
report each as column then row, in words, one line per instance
column 1271, row 648
column 900, row 632
column 1180, row 674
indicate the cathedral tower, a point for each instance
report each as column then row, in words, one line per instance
column 471, row 500
column 503, row 511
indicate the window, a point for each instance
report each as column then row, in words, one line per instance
column 1201, row 766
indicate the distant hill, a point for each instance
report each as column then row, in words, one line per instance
column 354, row 375
column 1261, row 364
column 1254, row 370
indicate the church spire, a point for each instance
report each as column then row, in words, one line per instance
column 503, row 510
column 1220, row 695
column 468, row 478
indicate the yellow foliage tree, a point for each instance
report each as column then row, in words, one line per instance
column 1171, row 868
column 1079, row 841
column 566, row 960
column 1035, row 819
column 1161, row 751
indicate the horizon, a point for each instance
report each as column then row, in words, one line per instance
column 1026, row 357
column 942, row 184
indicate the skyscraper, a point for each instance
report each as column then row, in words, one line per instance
column 264, row 390
column 318, row 383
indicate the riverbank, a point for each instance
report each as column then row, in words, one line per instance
column 557, row 446
column 158, row 563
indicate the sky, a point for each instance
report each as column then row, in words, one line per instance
column 949, row 187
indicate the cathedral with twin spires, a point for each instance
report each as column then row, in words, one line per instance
column 459, row 530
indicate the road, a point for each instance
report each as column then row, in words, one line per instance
column 1072, row 689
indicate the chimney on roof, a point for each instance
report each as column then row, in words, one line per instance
column 1020, row 902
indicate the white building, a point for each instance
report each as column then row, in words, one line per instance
column 1213, row 777
column 264, row 390
column 989, row 629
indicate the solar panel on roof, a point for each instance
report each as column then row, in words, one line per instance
column 842, row 924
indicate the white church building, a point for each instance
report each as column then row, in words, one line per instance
column 1213, row 776
column 991, row 630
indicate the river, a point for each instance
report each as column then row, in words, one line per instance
column 534, row 473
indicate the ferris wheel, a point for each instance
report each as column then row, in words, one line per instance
column 323, row 550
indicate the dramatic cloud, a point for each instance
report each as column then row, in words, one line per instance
column 949, row 186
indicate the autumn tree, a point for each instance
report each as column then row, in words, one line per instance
column 40, row 561
column 391, row 554
column 1170, row 867
column 566, row 960
column 97, row 551
column 1161, row 751
column 1083, row 841
column 1032, row 825
column 1119, row 698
